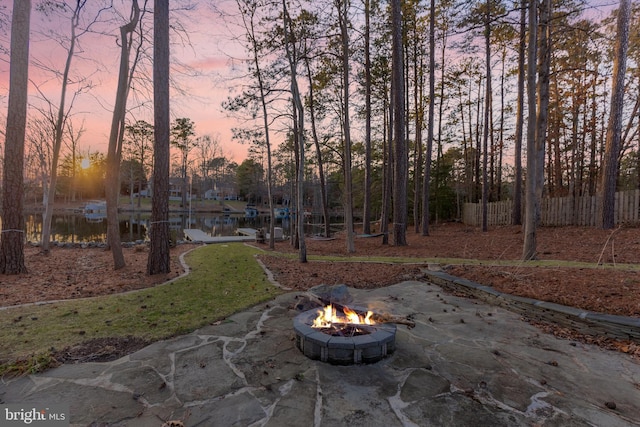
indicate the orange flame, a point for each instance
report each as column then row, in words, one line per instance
column 328, row 315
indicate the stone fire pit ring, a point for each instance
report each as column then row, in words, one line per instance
column 379, row 343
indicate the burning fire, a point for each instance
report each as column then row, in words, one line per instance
column 328, row 316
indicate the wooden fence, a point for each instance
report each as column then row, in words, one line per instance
column 558, row 211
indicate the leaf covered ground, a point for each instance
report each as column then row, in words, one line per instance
column 588, row 268
column 572, row 270
column 597, row 270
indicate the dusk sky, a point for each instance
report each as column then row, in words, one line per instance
column 211, row 53
column 213, row 56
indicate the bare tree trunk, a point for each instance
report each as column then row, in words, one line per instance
column 498, row 189
column 530, row 225
column 59, row 130
column 366, row 214
column 316, row 142
column 516, row 218
column 294, row 185
column 543, row 99
column 466, row 149
column 114, row 154
column 418, row 150
column 387, row 171
column 592, row 173
column 439, row 152
column 12, row 241
column 478, row 153
column 487, row 109
column 299, row 132
column 430, row 122
column 159, row 260
column 265, row 122
column 400, row 178
column 606, row 219
column 346, row 125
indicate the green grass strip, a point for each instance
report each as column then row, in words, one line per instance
column 224, row 279
column 463, row 261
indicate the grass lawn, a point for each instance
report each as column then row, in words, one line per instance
column 224, row 279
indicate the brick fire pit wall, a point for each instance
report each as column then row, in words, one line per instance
column 367, row 348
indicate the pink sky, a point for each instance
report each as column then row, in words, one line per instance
column 212, row 45
column 209, row 53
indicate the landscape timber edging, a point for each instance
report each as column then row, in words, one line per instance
column 585, row 322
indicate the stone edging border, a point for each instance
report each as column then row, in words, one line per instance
column 585, row 322
column 184, row 264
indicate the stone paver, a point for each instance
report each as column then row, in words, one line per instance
column 466, row 363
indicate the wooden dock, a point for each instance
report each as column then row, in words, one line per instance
column 244, row 235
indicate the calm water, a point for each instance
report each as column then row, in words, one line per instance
column 76, row 228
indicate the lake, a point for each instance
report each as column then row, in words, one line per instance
column 78, row 227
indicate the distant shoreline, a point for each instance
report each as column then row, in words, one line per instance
column 77, row 207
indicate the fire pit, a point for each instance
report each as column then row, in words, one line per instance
column 350, row 337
